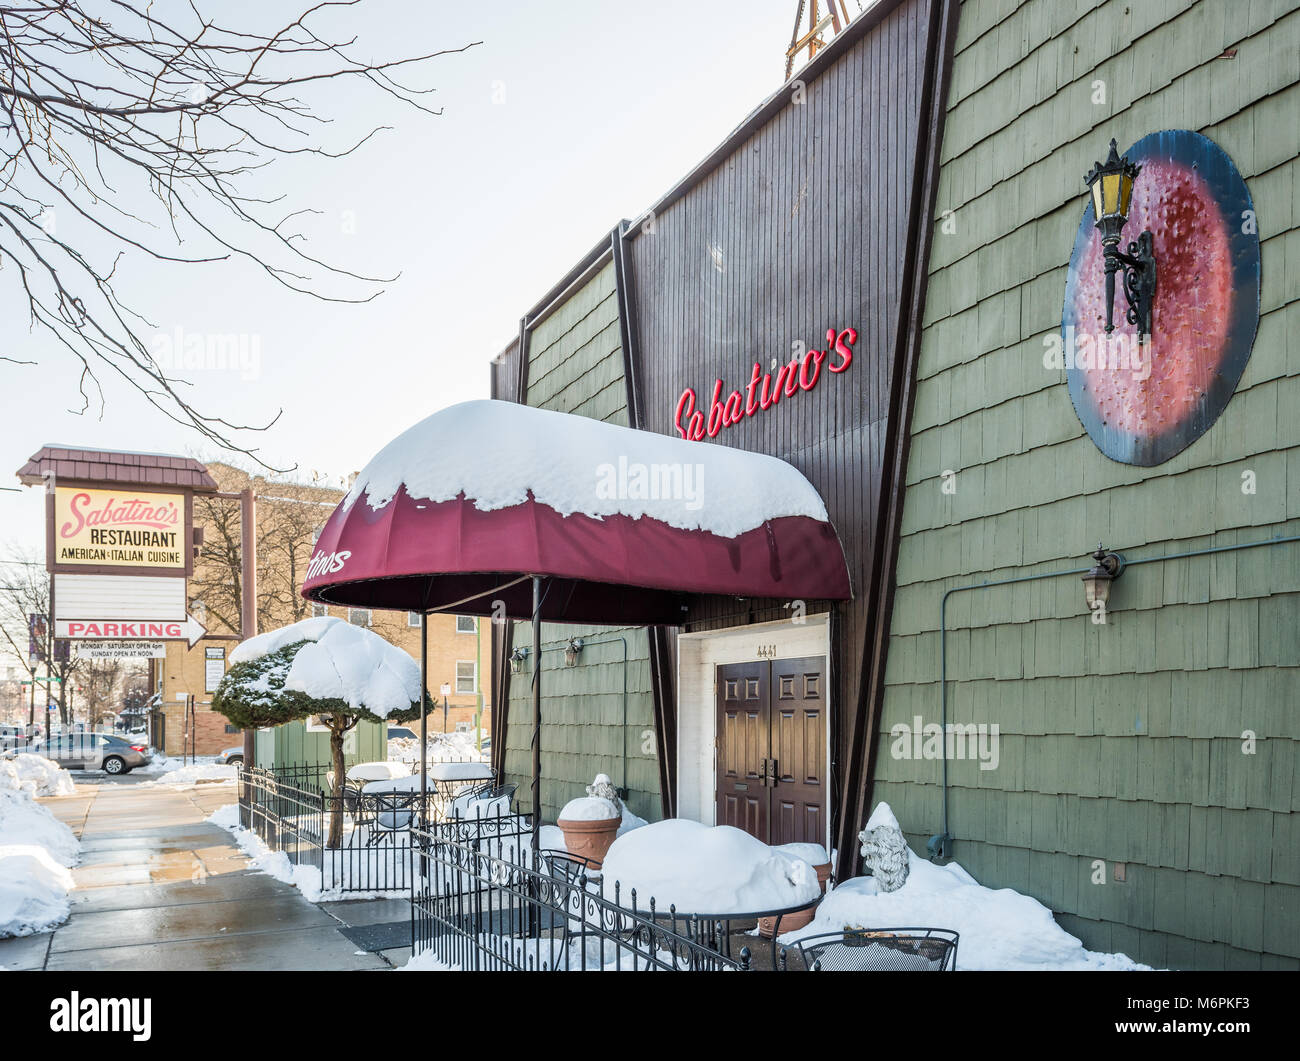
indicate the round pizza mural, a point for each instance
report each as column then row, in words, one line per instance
column 1143, row 399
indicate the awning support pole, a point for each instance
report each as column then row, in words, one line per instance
column 424, row 719
column 537, row 714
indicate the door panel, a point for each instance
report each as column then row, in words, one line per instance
column 771, row 751
column 799, row 748
column 744, row 738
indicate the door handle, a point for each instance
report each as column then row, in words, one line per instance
column 771, row 765
column 762, row 772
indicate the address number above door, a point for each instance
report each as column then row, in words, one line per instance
column 1145, row 398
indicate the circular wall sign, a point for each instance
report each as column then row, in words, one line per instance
column 1144, row 402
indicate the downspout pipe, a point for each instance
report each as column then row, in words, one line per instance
column 940, row 845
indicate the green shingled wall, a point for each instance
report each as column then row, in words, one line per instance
column 576, row 366
column 1119, row 742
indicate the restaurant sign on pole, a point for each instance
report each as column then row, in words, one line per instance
column 121, row 607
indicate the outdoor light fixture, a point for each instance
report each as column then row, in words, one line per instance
column 1106, row 567
column 517, row 660
column 572, row 651
column 1111, row 187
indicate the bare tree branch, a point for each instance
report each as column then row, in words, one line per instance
column 107, row 104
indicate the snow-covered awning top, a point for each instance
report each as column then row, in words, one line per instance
column 458, row 510
column 341, row 662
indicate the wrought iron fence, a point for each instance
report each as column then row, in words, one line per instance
column 482, row 899
column 284, row 816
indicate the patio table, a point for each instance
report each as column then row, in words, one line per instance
column 378, row 771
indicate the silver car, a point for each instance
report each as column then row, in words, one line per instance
column 96, row 751
column 232, row 757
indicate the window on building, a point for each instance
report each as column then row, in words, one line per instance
column 232, row 729
column 317, row 610
column 466, row 624
column 359, row 616
column 466, row 676
column 412, row 618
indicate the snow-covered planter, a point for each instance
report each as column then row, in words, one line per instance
column 815, row 855
column 591, row 822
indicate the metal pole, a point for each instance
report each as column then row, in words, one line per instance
column 537, row 713
column 424, row 717
column 248, row 592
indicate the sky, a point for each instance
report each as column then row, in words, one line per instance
column 568, row 117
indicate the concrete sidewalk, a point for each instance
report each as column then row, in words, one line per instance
column 159, row 888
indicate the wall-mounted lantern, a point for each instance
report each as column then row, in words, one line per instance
column 1111, row 186
column 518, row 658
column 1106, row 567
column 572, row 651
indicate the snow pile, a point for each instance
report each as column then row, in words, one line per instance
column 588, row 809
column 195, row 773
column 35, row 775
column 427, row 962
column 705, row 869
column 1000, row 928
column 441, row 748
column 504, row 464
column 341, row 661
column 36, row 850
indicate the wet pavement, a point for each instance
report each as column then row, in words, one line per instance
column 160, row 888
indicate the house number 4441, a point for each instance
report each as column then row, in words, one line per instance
column 767, row 652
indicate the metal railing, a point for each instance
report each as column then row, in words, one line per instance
column 482, row 899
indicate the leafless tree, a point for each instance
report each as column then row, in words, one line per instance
column 108, row 105
column 25, row 591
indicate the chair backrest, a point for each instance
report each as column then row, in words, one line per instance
column 881, row 950
column 566, row 867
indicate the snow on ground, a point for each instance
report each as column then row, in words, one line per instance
column 36, row 851
column 999, row 928
column 441, row 748
column 341, row 661
column 174, row 774
column 706, row 869
column 35, row 775
column 505, row 465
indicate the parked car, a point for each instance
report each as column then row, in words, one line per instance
column 401, row 733
column 95, row 751
column 232, row 757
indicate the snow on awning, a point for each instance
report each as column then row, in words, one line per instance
column 458, row 511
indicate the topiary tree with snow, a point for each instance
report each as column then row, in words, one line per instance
column 321, row 668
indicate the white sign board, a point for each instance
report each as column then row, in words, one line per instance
column 191, row 630
column 214, row 668
column 94, row 598
column 119, row 649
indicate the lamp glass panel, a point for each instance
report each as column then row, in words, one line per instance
column 1096, row 199
column 1110, row 193
column 1126, row 195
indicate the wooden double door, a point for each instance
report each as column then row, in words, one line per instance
column 771, row 749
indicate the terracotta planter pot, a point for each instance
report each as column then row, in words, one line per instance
column 589, row 839
column 800, row 918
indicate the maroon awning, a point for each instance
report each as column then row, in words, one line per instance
column 463, row 509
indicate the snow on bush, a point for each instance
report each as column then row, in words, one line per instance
column 706, row 870
column 340, row 661
column 999, row 928
column 36, row 850
column 35, row 775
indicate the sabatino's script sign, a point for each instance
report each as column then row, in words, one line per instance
column 119, row 528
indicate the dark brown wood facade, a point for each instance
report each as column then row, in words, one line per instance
column 814, row 214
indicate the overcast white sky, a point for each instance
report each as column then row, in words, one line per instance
column 481, row 210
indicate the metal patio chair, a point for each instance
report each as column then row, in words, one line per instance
column 881, row 950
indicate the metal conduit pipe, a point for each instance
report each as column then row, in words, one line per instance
column 940, row 845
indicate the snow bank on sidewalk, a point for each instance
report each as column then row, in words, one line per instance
column 194, row 773
column 35, row 775
column 36, row 851
column 999, row 927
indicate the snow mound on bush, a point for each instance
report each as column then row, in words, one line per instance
column 35, row 775
column 706, row 870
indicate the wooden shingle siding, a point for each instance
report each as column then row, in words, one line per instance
column 576, row 366
column 1121, row 742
